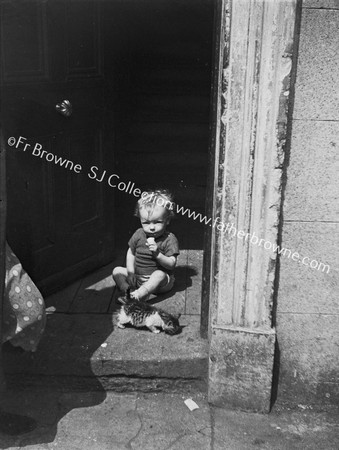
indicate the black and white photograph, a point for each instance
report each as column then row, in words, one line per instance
column 169, row 264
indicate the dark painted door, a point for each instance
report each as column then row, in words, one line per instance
column 60, row 221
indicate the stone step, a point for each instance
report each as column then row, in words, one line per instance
column 88, row 351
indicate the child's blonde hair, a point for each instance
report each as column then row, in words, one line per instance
column 152, row 198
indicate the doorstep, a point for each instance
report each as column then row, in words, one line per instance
column 88, row 351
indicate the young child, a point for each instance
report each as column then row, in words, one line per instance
column 153, row 251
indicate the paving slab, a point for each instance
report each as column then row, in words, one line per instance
column 91, row 346
column 113, row 421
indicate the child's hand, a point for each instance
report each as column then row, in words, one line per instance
column 153, row 246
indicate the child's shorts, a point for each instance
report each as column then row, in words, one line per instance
column 165, row 286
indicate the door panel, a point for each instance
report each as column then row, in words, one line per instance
column 81, row 148
column 83, row 41
column 57, row 222
column 24, row 52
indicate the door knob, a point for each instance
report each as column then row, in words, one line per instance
column 64, row 108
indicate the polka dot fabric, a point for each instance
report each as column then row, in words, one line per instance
column 24, row 309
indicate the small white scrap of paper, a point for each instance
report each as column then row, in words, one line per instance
column 191, row 405
column 104, row 344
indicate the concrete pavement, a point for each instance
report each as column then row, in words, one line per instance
column 159, row 421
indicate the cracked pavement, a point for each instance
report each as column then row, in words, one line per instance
column 160, row 421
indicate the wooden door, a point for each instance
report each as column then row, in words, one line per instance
column 60, row 221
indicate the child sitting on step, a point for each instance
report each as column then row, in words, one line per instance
column 153, row 250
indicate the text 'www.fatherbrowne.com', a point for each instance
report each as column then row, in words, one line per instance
column 112, row 180
column 252, row 238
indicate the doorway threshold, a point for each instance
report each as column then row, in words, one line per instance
column 82, row 347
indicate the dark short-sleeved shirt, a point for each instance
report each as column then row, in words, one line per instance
column 145, row 263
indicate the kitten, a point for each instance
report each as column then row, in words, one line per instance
column 141, row 314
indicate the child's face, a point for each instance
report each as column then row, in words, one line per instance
column 154, row 222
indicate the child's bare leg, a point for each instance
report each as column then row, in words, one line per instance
column 157, row 279
column 120, row 277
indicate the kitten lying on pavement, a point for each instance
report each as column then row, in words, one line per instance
column 140, row 314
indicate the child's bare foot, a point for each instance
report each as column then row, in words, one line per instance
column 135, row 295
column 141, row 294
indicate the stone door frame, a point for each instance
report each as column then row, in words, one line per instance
column 255, row 44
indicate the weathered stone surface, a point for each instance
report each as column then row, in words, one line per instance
column 303, row 289
column 307, row 303
column 193, row 291
column 253, row 90
column 95, row 292
column 76, row 383
column 172, row 302
column 325, row 4
column 301, row 429
column 172, row 425
column 113, row 421
column 309, row 358
column 61, row 301
column 112, row 415
column 72, row 346
column 312, row 176
column 240, row 370
column 317, row 95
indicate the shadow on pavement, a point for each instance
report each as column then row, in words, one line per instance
column 39, row 384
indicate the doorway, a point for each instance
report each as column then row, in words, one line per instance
column 162, row 73
column 138, row 78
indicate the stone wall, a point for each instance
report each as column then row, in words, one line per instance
column 308, row 302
